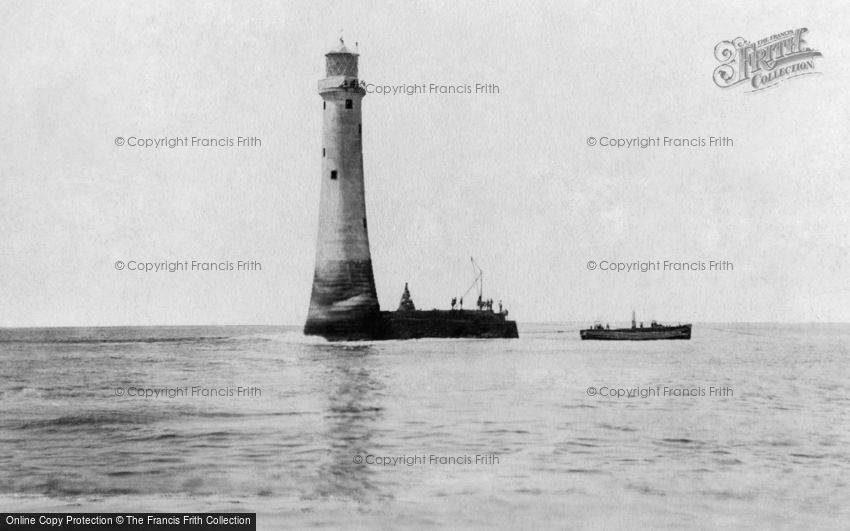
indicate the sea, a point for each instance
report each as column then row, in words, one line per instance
column 745, row 426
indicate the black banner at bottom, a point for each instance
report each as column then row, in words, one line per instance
column 130, row 521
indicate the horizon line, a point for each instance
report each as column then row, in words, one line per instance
column 5, row 327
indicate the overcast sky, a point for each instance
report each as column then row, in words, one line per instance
column 507, row 178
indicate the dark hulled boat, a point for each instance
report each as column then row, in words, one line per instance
column 655, row 331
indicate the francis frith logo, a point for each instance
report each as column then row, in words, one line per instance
column 765, row 63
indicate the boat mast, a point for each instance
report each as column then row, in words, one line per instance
column 480, row 271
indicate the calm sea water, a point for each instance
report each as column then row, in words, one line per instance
column 770, row 450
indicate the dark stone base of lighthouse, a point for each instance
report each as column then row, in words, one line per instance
column 344, row 304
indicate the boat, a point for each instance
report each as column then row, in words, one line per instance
column 654, row 331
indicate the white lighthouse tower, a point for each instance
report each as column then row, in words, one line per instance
column 343, row 304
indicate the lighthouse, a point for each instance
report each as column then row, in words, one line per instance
column 343, row 303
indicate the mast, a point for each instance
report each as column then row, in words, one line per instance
column 478, row 281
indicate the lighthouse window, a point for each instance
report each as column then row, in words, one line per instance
column 324, row 105
column 359, row 128
column 333, row 175
column 349, row 104
column 323, row 152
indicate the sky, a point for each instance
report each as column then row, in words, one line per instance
column 507, row 178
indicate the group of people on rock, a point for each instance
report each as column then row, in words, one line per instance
column 486, row 304
column 482, row 304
